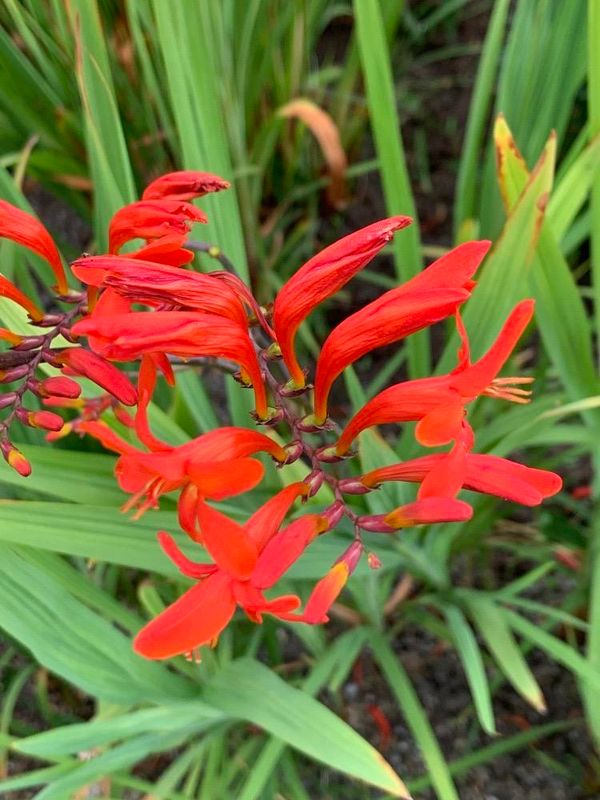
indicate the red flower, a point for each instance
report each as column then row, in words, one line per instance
column 22, row 228
column 439, row 402
column 125, row 337
column 184, row 185
column 483, row 473
column 154, row 284
column 322, row 276
column 213, row 465
column 248, row 559
column 429, row 297
column 152, row 219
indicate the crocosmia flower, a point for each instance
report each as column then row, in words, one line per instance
column 148, row 309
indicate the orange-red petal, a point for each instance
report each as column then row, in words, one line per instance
column 196, row 619
column 285, row 548
column 22, row 228
column 428, row 511
column 265, row 522
column 388, row 319
column 218, row 480
column 227, row 542
column 10, row 291
column 89, row 365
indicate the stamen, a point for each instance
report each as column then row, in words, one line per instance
column 508, row 389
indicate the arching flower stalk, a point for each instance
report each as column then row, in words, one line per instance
column 150, row 309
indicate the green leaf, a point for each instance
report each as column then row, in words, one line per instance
column 470, row 655
column 381, row 100
column 494, row 630
column 109, row 161
column 74, row 642
column 559, row 651
column 168, row 718
column 248, row 690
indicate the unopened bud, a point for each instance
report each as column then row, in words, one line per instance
column 30, row 343
column 374, row 561
column 7, row 399
column 59, row 387
column 334, row 514
column 375, row 523
column 569, row 558
column 14, row 373
column 54, row 436
column 46, row 420
column 124, row 417
column 50, row 320
column 314, row 481
column 15, row 459
column 309, row 425
column 63, row 402
column 69, row 335
column 352, row 486
column 352, row 555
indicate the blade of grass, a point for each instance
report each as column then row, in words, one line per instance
column 470, row 655
column 381, row 100
column 470, row 159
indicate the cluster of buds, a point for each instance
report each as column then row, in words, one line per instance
column 146, row 307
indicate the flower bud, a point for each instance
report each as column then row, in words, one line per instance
column 15, row 458
column 353, row 486
column 54, row 436
column 290, row 389
column 274, row 416
column 328, row 455
column 309, row 425
column 334, row 514
column 273, row 352
column 59, row 387
column 14, row 373
column 352, row 555
column 314, row 481
column 375, row 523
column 30, row 343
column 7, row 399
column 374, row 561
column 46, row 420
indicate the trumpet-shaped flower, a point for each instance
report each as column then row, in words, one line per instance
column 248, row 559
column 322, row 276
column 124, row 337
column 438, row 403
column 155, row 284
